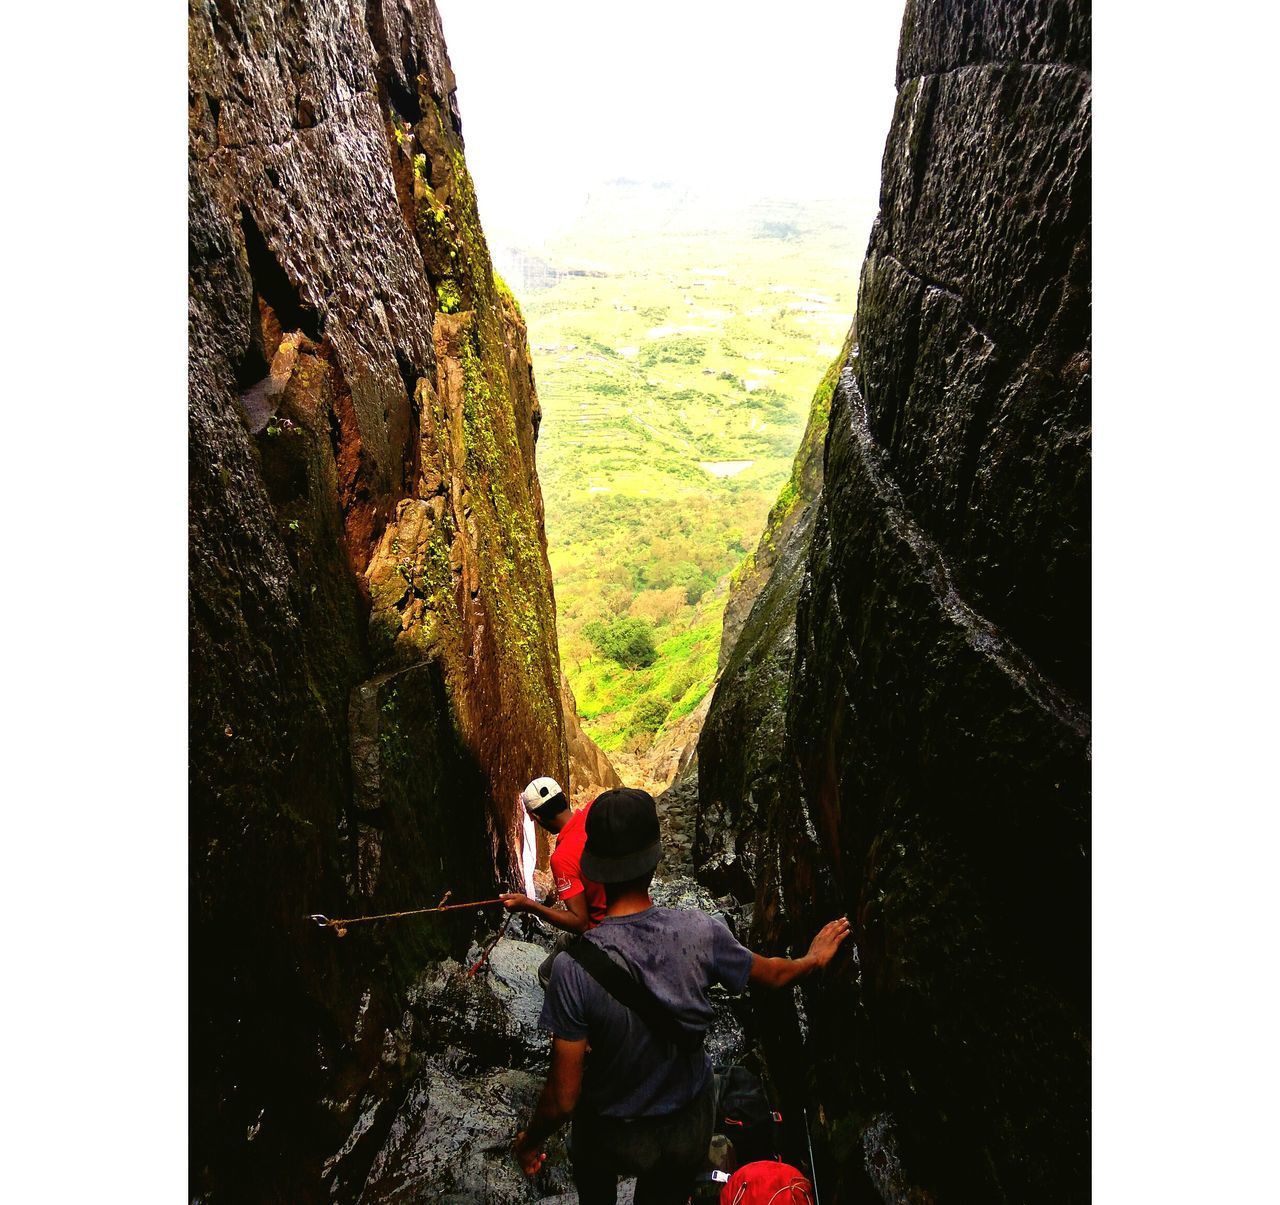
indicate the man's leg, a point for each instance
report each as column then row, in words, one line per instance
column 684, row 1139
column 593, row 1171
column 595, row 1185
column 666, row 1186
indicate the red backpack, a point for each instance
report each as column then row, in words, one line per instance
column 767, row 1182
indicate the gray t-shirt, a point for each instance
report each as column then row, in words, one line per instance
column 677, row 954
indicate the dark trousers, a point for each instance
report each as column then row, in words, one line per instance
column 663, row 1153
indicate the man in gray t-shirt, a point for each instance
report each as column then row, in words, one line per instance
column 641, row 1103
column 677, row 955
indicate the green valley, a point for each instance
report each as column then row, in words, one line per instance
column 677, row 342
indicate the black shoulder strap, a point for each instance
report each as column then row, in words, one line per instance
column 632, row 994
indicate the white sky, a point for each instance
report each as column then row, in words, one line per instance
column 788, row 98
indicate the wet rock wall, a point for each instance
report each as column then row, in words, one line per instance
column 373, row 666
column 935, row 756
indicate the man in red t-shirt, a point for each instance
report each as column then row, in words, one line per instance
column 583, row 898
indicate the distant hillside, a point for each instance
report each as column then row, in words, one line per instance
column 677, row 341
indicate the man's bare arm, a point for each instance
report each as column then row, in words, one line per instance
column 573, row 917
column 555, row 1105
column 779, row 972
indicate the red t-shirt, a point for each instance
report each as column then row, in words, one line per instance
column 566, row 866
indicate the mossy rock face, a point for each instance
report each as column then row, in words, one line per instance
column 932, row 775
column 374, row 670
column 794, row 501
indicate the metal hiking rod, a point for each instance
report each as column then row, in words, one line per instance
column 813, row 1170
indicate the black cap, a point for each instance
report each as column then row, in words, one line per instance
column 623, row 838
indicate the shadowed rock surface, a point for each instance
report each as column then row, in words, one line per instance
column 935, row 753
column 374, row 671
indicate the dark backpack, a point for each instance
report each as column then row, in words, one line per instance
column 744, row 1116
column 746, row 1131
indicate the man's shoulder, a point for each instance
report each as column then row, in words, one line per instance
column 568, row 848
column 565, row 971
column 574, row 831
column 684, row 918
column 699, row 930
column 693, row 928
column 569, row 978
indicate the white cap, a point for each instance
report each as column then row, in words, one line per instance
column 538, row 792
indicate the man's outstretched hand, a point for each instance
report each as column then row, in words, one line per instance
column 779, row 972
column 823, row 948
column 515, row 900
column 530, row 1157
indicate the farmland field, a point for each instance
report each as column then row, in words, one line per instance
column 677, row 343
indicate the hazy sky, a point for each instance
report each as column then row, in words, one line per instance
column 789, row 98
